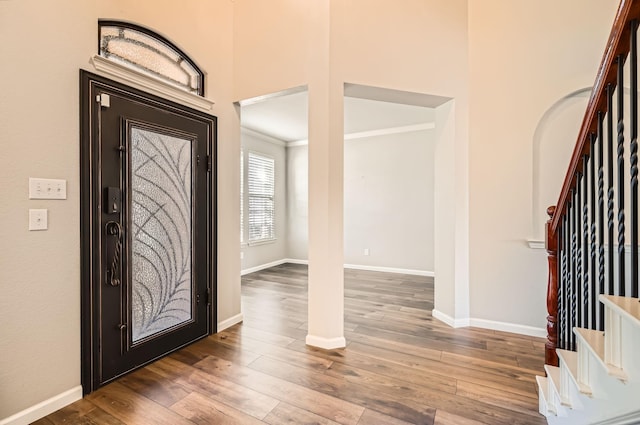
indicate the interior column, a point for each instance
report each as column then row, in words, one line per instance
column 326, row 152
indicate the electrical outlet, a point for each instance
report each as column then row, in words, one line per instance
column 241, row 255
column 47, row 188
column 366, row 251
column 38, row 219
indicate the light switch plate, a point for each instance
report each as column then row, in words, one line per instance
column 47, row 188
column 38, row 219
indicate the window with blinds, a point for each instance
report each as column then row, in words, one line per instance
column 260, row 188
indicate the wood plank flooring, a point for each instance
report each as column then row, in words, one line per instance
column 400, row 366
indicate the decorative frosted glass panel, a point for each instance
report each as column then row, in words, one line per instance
column 141, row 49
column 161, row 204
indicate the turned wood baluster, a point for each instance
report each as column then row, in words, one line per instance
column 551, row 245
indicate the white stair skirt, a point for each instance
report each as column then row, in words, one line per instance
column 600, row 382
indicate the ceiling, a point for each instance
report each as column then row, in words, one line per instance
column 366, row 109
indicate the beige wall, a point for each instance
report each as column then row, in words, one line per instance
column 524, row 57
column 40, row 271
column 43, row 44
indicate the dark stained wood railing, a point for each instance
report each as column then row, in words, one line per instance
column 580, row 233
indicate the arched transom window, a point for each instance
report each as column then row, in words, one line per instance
column 144, row 50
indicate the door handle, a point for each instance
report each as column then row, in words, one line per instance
column 113, row 228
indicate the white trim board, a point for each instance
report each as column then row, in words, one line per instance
column 390, row 270
column 325, row 343
column 149, row 84
column 227, row 323
column 535, row 244
column 375, row 133
column 346, row 266
column 262, row 267
column 42, row 409
column 261, row 136
column 489, row 324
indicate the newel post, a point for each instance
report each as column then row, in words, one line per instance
column 551, row 245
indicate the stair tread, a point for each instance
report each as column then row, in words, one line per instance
column 544, row 395
column 594, row 341
column 626, row 307
column 553, row 376
column 570, row 360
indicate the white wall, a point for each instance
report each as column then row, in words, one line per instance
column 43, row 46
column 297, row 202
column 268, row 252
column 388, row 201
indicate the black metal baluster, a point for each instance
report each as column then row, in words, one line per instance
column 621, row 218
column 592, row 251
column 585, row 242
column 561, row 282
column 633, row 111
column 610, row 190
column 578, row 231
column 571, row 316
column 600, row 219
column 561, row 285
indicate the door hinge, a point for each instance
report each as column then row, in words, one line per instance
column 104, row 100
column 209, row 300
column 209, row 163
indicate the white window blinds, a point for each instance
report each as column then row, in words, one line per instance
column 261, row 186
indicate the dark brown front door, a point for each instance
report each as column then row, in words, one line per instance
column 147, row 228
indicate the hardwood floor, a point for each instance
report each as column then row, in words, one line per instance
column 400, row 366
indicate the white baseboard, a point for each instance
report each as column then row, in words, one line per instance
column 325, row 343
column 390, row 270
column 262, row 267
column 454, row 323
column 295, row 261
column 230, row 322
column 490, row 324
column 44, row 408
column 509, row 327
column 346, row 266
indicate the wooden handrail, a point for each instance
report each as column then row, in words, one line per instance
column 617, row 45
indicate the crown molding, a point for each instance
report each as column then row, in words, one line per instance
column 264, row 137
column 149, row 84
column 376, row 133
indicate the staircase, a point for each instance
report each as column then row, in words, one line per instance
column 592, row 353
column 600, row 383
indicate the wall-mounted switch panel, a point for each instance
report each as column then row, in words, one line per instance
column 47, row 188
column 38, row 219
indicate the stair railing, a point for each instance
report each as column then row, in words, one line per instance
column 590, row 226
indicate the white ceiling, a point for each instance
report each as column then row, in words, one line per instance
column 365, row 109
